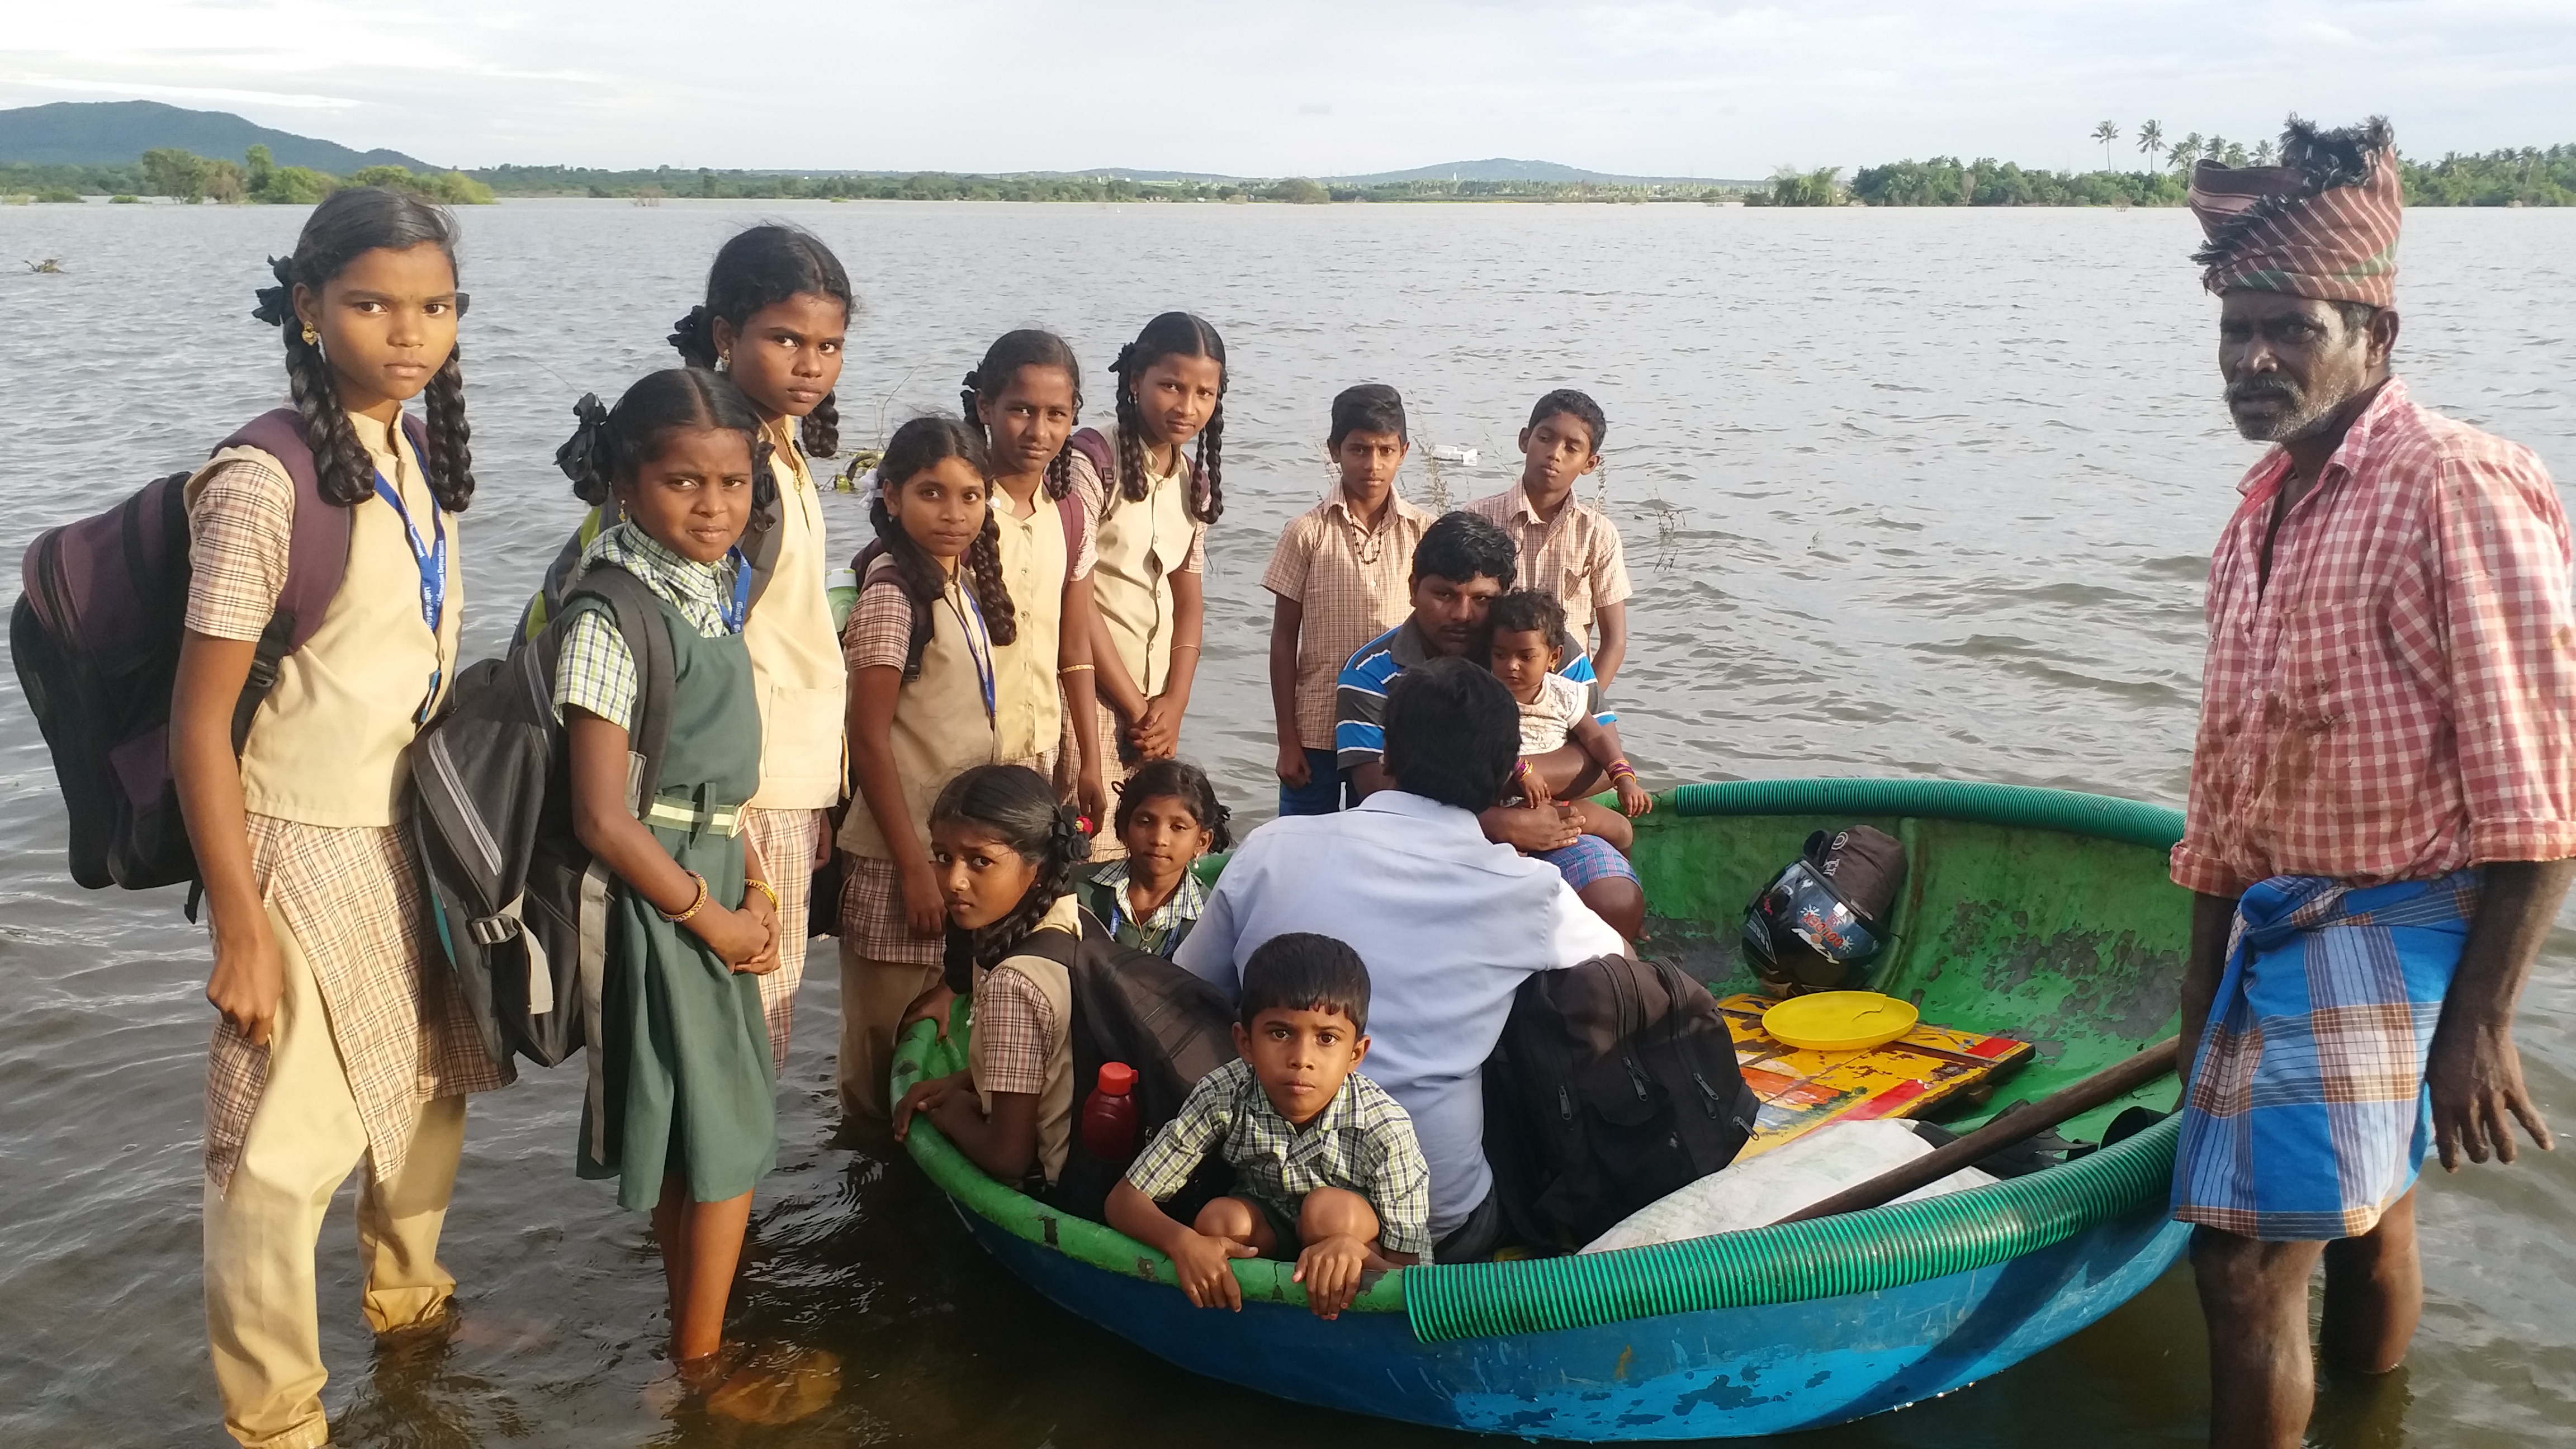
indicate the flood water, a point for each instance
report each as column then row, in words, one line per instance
column 1905, row 492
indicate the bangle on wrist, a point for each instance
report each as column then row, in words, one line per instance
column 765, row 888
column 696, row 903
column 1073, row 669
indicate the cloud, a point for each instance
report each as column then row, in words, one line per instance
column 1320, row 87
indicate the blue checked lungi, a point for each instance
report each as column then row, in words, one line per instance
column 1588, row 859
column 2308, row 1115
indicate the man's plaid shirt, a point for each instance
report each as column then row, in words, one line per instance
column 2399, row 700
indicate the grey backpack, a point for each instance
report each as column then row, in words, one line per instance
column 521, row 907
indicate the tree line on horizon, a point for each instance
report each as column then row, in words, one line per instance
column 2530, row 176
column 185, row 176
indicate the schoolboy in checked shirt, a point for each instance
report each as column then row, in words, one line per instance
column 1325, row 1162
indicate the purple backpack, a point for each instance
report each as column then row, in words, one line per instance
column 96, row 638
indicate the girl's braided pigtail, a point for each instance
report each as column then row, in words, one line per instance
column 983, row 569
column 451, row 460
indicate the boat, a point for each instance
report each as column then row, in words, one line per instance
column 1449, row 453
column 2040, row 914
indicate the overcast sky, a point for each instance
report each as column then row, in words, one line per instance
column 1315, row 87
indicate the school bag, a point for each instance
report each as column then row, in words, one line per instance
column 96, row 636
column 1133, row 1007
column 522, row 909
column 1614, row 1084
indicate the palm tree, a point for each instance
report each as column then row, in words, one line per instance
column 2186, row 151
column 2263, row 154
column 2106, row 133
column 2151, row 139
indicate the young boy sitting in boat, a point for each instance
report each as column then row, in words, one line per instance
column 1525, row 633
column 1325, row 1161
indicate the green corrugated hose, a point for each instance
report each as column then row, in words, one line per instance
column 1863, row 1252
column 2131, row 821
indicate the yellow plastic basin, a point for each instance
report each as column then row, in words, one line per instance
column 1840, row 1021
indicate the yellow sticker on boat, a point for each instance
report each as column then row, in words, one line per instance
column 1927, row 1070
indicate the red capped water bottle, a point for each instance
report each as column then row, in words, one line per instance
column 1109, row 1115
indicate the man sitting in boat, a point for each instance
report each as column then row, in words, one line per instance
column 1449, row 922
column 1463, row 562
column 2383, row 796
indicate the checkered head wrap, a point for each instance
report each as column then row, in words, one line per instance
column 2322, row 224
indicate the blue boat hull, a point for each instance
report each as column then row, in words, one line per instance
column 1726, row 1373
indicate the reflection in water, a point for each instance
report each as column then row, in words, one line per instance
column 1905, row 492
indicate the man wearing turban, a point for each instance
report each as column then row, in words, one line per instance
column 2383, row 790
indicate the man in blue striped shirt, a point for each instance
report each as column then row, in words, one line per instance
column 1463, row 562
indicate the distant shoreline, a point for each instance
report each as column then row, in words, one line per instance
column 2528, row 177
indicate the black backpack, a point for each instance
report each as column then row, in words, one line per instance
column 1135, row 1007
column 1614, row 1084
column 96, row 634
column 521, row 908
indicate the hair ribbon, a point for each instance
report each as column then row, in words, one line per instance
column 277, row 304
column 584, row 455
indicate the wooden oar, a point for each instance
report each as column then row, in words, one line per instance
column 2018, row 1124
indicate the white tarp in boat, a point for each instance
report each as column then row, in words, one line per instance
column 1758, row 1191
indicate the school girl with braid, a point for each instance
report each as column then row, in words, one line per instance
column 1154, row 512
column 1025, row 397
column 775, row 318
column 685, row 1114
column 1004, row 849
column 778, row 307
column 920, row 642
column 341, row 1044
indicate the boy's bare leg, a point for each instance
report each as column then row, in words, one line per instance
column 1238, row 1220
column 1609, row 824
column 1335, row 1212
column 2255, row 1298
column 2374, row 1294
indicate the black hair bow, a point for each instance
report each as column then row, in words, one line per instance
column 1126, row 355
column 694, row 336
column 1069, row 839
column 277, row 304
column 584, row 456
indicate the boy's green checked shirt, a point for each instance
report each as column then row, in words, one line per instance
column 1361, row 1142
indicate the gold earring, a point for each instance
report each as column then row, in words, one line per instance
column 310, row 336
column 724, row 359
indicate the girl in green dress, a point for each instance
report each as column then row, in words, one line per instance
column 681, row 1110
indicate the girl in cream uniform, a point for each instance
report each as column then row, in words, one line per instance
column 1153, row 515
column 341, row 1042
column 777, row 311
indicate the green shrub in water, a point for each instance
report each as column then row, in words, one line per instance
column 125, row 199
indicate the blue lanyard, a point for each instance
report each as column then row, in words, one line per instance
column 432, row 561
column 979, row 641
column 738, row 609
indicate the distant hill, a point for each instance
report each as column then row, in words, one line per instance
column 115, row 133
